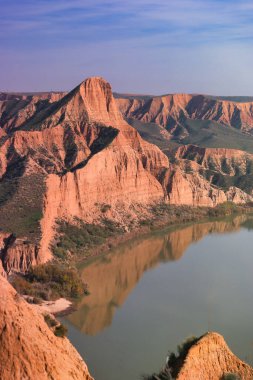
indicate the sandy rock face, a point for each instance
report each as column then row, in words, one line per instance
column 192, row 189
column 210, row 358
column 16, row 255
column 20, row 257
column 28, row 348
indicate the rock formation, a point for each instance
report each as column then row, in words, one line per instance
column 64, row 156
column 209, row 358
column 28, row 348
column 16, row 254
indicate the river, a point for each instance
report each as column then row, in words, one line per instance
column 149, row 294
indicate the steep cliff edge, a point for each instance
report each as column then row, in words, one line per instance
column 208, row 358
column 29, row 349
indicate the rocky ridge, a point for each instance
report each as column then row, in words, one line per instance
column 170, row 110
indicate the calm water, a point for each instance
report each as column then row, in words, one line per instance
column 149, row 295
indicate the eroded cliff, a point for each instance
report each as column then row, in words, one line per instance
column 29, row 349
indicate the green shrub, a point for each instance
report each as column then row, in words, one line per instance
column 226, row 208
column 21, row 285
column 81, row 237
column 51, row 322
column 230, row 376
column 61, row 331
column 60, row 252
column 105, row 208
column 49, row 282
column 37, row 300
column 184, row 347
column 62, row 281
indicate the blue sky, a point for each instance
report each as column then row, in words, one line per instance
column 143, row 46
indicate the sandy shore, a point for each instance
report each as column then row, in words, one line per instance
column 53, row 307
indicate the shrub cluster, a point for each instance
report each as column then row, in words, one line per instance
column 59, row 329
column 223, row 209
column 81, row 237
column 50, row 281
column 51, row 322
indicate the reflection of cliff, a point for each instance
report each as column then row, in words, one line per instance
column 112, row 277
column 176, row 242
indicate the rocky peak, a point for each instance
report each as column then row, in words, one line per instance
column 99, row 102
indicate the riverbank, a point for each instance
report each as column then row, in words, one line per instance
column 164, row 216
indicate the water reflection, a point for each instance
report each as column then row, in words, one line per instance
column 111, row 278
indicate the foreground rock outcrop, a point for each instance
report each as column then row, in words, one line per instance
column 28, row 348
column 209, row 358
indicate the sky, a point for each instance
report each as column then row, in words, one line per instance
column 139, row 46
